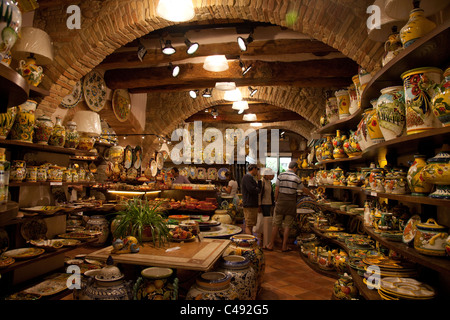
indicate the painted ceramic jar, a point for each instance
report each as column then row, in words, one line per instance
column 72, row 136
column 247, row 246
column 392, row 47
column 373, row 125
column 364, row 78
column 32, row 174
column 10, row 23
column 108, row 284
column 364, row 139
column 344, row 288
column 42, row 174
column 54, row 174
column 327, row 148
column 353, row 99
column 108, row 135
column 416, row 27
column 420, row 87
column 43, row 130
column 416, row 182
column 400, row 184
column 325, row 261
column 242, row 274
column 23, row 127
column 6, row 121
column 338, row 173
column 58, row 136
column 30, row 71
column 343, row 102
column 430, row 238
column 338, row 146
column 437, row 172
column 391, row 113
column 213, row 286
column 374, row 178
column 86, row 142
column 156, row 283
column 351, row 145
column 18, row 171
column 222, row 216
column 355, row 80
column 332, row 109
column 441, row 101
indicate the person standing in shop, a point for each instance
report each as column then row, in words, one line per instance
column 232, row 186
column 285, row 211
column 250, row 187
column 266, row 202
column 179, row 179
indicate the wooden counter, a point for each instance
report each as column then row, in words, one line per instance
column 195, row 255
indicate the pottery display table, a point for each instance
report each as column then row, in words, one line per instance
column 195, row 255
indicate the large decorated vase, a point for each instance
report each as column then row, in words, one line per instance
column 390, row 109
column 437, row 172
column 23, row 128
column 441, row 101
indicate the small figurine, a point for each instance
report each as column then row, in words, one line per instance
column 129, row 245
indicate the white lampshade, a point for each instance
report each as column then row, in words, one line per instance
column 35, row 41
column 225, row 86
column 386, row 22
column 240, row 105
column 256, row 124
column 176, row 10
column 216, row 63
column 400, row 9
column 249, row 117
column 233, row 95
column 88, row 122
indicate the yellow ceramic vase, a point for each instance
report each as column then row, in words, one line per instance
column 416, row 182
column 416, row 27
column 343, row 102
column 373, row 126
column 441, row 101
column 437, row 172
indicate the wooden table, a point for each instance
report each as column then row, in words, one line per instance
column 195, row 255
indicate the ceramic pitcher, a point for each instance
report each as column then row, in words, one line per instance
column 6, row 121
column 58, row 136
column 416, row 27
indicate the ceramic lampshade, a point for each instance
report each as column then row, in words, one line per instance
column 225, row 86
column 216, row 63
column 240, row 105
column 88, row 122
column 386, row 24
column 400, row 9
column 233, row 95
column 34, row 41
column 249, row 117
column 176, row 10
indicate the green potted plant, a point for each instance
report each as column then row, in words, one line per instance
column 142, row 220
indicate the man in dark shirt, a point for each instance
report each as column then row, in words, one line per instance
column 251, row 187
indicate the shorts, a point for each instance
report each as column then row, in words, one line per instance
column 250, row 216
column 285, row 210
column 280, row 219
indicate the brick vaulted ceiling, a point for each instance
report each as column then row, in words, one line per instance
column 331, row 32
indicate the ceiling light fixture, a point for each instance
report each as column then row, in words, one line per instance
column 243, row 43
column 240, row 105
column 256, row 124
column 233, row 95
column 207, row 93
column 225, row 86
column 252, row 91
column 216, row 63
column 176, row 10
column 244, row 68
column 191, row 46
column 175, row 70
column 167, row 48
column 249, row 117
column 193, row 94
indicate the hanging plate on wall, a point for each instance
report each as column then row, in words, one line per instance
column 160, row 160
column 137, row 157
column 154, row 168
column 72, row 99
column 94, row 90
column 128, row 157
column 121, row 104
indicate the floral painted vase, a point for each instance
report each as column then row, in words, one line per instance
column 23, row 127
column 416, row 27
column 10, row 23
column 373, row 126
column 98, row 223
column 343, row 102
column 58, row 136
column 332, row 109
column 242, row 274
column 353, row 99
column 364, row 78
column 391, row 113
column 212, row 286
column 156, row 283
column 72, row 136
column 420, row 87
column 355, row 80
column 351, row 145
column 30, row 71
column 437, row 172
column 392, row 47
column 18, row 171
column 247, row 246
column 441, row 101
column 6, row 121
column 327, row 148
column 416, row 182
column 43, row 130
column 344, row 288
column 338, row 146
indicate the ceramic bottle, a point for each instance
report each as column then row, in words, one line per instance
column 58, row 136
column 338, row 146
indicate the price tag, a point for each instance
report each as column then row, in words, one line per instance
column 373, row 193
column 56, row 183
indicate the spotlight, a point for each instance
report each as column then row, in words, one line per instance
column 191, row 46
column 252, row 91
column 168, row 49
column 244, row 68
column 207, row 93
column 214, row 113
column 243, row 43
column 193, row 94
column 175, row 70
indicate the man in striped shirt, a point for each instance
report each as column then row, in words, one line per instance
column 286, row 203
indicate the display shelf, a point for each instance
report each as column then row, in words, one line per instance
column 40, row 147
column 14, row 88
column 49, row 183
column 356, row 158
column 348, row 123
column 314, row 266
column 36, row 92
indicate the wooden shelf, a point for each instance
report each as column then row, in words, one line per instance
column 349, row 123
column 49, row 183
column 14, row 88
column 342, row 160
column 41, row 147
column 36, row 92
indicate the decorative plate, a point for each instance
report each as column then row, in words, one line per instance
column 94, row 89
column 407, row 287
column 49, row 287
column 80, row 235
column 34, row 229
column 221, row 173
column 6, row 261
column 159, row 161
column 222, row 231
column 128, row 157
column 212, row 174
column 42, row 209
column 137, row 157
column 154, row 168
column 192, row 172
column 184, row 172
column 72, row 99
column 131, row 174
column 409, row 232
column 201, row 173
column 121, row 104
column 23, row 296
column 24, row 253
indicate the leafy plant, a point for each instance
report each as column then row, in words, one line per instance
column 138, row 217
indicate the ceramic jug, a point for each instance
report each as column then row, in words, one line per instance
column 6, row 121
column 351, row 145
column 43, row 130
column 416, row 27
column 30, row 71
column 58, row 136
column 391, row 113
column 441, row 101
column 392, row 47
column 416, row 182
column 327, row 148
column 23, row 128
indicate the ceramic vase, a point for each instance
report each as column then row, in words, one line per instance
column 420, row 87
column 364, row 78
column 108, row 135
column 58, row 136
column 391, row 113
column 247, row 246
column 108, row 284
column 213, row 286
column 355, row 80
column 416, row 182
column 441, row 101
column 373, row 126
column 10, row 23
column 23, row 127
column 332, row 110
column 86, row 142
column 327, row 148
column 343, row 102
column 30, row 71
column 437, row 172
column 351, row 145
column 353, row 99
column 43, row 130
column 156, row 283
column 18, row 171
column 6, row 121
column 242, row 274
column 416, row 27
column 338, row 146
column 344, row 288
column 98, row 223
column 72, row 136
column 392, row 47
